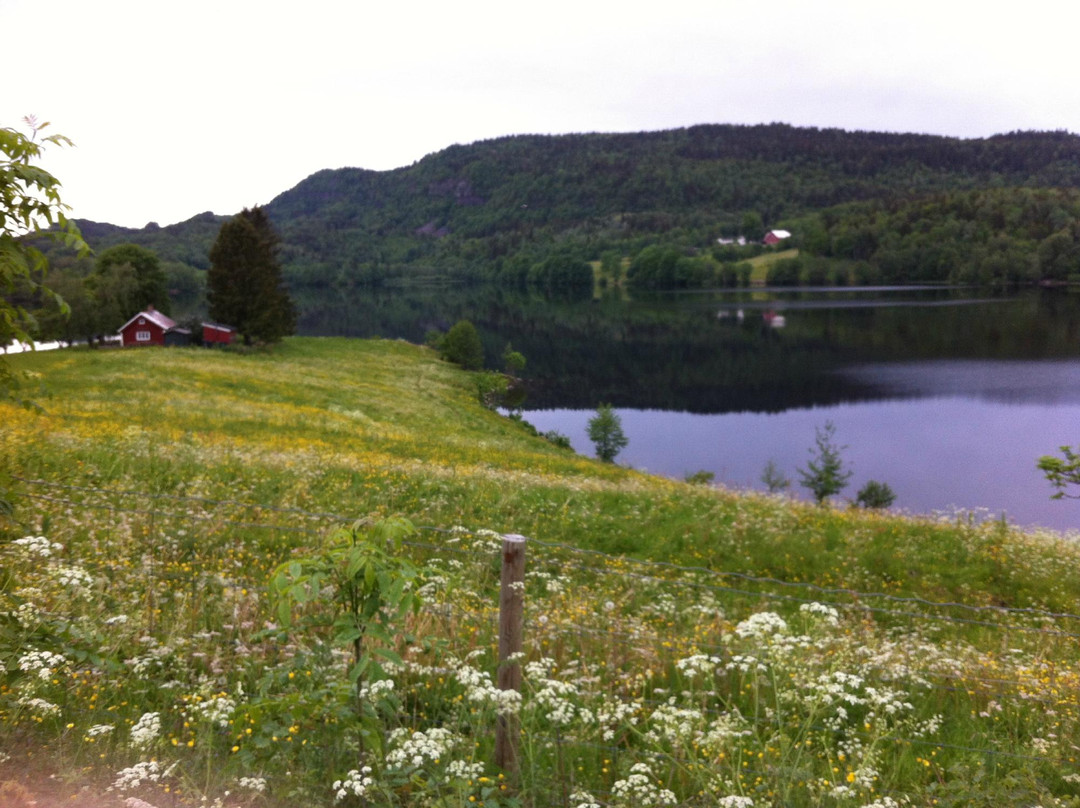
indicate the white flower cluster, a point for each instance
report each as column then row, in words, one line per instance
column 673, row 723
column 480, row 689
column 613, row 712
column 149, row 771
column 356, row 782
column 40, row 706
column 735, row 801
column 217, row 710
column 257, row 784
column 416, row 748
column 823, row 611
column 99, row 729
column 583, row 799
column 724, row 728
column 42, row 664
column 73, row 577
column 761, row 625
column 376, row 689
column 462, row 770
column 146, row 730
column 38, row 546
column 639, row 790
column 699, row 664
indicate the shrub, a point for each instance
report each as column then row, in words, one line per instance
column 875, row 495
column 462, row 346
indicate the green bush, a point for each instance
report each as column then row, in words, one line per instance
column 462, row 346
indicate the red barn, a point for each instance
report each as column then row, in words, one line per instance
column 776, row 236
column 151, row 327
column 214, row 334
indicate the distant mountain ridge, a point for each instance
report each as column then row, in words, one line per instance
column 472, row 210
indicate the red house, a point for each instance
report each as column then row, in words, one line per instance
column 151, row 327
column 214, row 334
column 776, row 236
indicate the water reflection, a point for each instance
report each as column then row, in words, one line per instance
column 948, row 395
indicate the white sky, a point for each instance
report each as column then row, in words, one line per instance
column 219, row 104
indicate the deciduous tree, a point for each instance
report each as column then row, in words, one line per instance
column 30, row 205
column 244, row 284
column 605, row 431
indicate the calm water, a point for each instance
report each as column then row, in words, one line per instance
column 949, row 396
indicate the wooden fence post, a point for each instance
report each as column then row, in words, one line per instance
column 511, row 616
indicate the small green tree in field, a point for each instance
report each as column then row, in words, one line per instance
column 462, row 346
column 824, row 475
column 605, row 431
column 775, row 480
column 1062, row 472
column 875, row 495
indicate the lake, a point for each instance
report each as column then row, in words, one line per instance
column 948, row 395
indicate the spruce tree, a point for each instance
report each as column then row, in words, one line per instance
column 244, row 284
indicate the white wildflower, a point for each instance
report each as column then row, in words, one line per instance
column 99, row 729
column 356, row 783
column 761, row 625
column 42, row 664
column 253, row 783
column 462, row 770
column 639, row 790
column 146, row 730
column 145, row 772
column 583, row 799
column 735, row 801
column 38, row 546
column 827, row 613
column 217, row 710
column 40, row 707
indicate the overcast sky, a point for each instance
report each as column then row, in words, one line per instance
column 178, row 108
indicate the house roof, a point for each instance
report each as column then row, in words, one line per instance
column 780, row 233
column 154, row 316
column 218, row 326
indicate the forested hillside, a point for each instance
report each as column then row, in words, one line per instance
column 498, row 209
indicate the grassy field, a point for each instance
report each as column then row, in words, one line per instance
column 761, row 264
column 183, row 614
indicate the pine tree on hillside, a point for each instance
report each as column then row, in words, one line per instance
column 244, row 284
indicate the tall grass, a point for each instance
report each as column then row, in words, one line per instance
column 683, row 646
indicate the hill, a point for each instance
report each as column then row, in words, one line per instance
column 494, row 208
column 190, row 607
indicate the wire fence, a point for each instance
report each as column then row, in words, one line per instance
column 686, row 582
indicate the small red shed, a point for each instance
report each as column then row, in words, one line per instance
column 151, row 327
column 214, row 334
column 776, row 236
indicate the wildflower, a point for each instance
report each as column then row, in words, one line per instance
column 38, row 546
column 761, row 625
column 583, row 799
column 638, row 789
column 40, row 707
column 826, row 613
column 134, row 776
column 735, row 801
column 146, row 730
column 253, row 783
column 356, row 782
column 42, row 664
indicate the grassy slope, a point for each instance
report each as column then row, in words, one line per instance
column 761, row 264
column 372, row 428
column 383, row 427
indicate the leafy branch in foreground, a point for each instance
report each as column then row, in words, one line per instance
column 1062, row 472
column 30, row 205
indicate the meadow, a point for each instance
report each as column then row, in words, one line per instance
column 271, row 579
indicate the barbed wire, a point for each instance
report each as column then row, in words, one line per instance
column 602, row 570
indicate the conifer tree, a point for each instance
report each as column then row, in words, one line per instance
column 244, row 284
